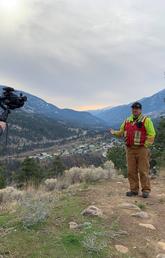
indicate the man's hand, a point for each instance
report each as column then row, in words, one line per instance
column 112, row 131
column 2, row 125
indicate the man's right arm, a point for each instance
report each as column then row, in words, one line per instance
column 2, row 127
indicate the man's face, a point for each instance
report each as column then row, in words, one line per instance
column 136, row 111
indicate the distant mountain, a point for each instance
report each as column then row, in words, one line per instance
column 68, row 117
column 153, row 106
column 96, row 112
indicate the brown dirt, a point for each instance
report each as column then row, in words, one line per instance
column 142, row 242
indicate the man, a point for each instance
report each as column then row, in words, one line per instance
column 2, row 127
column 139, row 134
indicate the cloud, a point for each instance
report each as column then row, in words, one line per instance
column 78, row 53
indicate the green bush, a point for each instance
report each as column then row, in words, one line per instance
column 160, row 139
column 118, row 157
column 158, row 150
column 2, row 178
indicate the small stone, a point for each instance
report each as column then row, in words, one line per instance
column 73, row 225
column 149, row 226
column 141, row 214
column 160, row 256
column 122, row 249
column 161, row 245
column 92, row 211
column 129, row 206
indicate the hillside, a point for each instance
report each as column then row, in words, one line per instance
column 30, row 131
column 125, row 227
column 153, row 106
column 40, row 124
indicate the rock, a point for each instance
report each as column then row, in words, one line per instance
column 122, row 249
column 160, row 256
column 129, row 206
column 161, row 245
column 149, row 226
column 141, row 214
column 92, row 211
column 73, row 225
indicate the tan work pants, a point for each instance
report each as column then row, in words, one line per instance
column 138, row 165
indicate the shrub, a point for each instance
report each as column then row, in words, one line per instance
column 74, row 175
column 10, row 194
column 90, row 174
column 93, row 245
column 96, row 174
column 50, row 184
column 118, row 157
column 78, row 175
column 34, row 209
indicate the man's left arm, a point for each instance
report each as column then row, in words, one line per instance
column 150, row 132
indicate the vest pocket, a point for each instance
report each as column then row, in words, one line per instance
column 137, row 138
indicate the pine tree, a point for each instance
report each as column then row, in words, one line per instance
column 2, row 178
column 57, row 168
column 160, row 139
column 30, row 171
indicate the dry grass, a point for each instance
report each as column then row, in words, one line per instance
column 78, row 175
column 35, row 203
column 10, row 194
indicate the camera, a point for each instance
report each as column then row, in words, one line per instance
column 9, row 100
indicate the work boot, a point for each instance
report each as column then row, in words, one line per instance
column 131, row 193
column 145, row 194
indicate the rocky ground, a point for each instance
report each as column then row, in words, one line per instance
column 88, row 220
column 143, row 219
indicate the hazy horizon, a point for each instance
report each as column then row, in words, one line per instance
column 85, row 109
column 83, row 54
column 105, row 107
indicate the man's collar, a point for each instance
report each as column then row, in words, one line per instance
column 138, row 118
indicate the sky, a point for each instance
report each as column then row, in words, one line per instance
column 83, row 54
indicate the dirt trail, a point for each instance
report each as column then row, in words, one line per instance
column 142, row 242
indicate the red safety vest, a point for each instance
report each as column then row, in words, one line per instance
column 135, row 132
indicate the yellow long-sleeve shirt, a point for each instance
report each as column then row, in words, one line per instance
column 150, row 130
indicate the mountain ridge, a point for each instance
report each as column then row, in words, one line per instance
column 153, row 106
column 70, row 117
